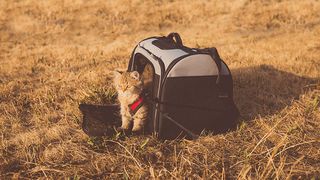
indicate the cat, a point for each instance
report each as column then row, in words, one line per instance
column 129, row 86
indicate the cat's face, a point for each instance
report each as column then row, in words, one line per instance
column 128, row 83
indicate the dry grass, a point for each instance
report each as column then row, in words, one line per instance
column 55, row 54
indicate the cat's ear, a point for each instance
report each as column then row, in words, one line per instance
column 117, row 73
column 135, row 75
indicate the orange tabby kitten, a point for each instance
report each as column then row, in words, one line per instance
column 129, row 86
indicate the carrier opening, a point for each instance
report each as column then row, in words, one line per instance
column 147, row 72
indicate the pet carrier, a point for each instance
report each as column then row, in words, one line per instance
column 190, row 91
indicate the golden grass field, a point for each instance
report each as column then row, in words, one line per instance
column 55, row 54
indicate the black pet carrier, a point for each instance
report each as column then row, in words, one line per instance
column 192, row 89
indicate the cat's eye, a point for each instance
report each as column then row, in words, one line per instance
column 124, row 88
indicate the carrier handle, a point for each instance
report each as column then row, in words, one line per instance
column 175, row 37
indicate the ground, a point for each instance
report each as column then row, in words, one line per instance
column 56, row 54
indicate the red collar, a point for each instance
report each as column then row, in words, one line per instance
column 134, row 107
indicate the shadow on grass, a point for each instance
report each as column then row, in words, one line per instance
column 264, row 90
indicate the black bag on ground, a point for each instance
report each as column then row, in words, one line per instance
column 100, row 120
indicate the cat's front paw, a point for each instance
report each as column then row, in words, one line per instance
column 124, row 130
column 137, row 128
column 138, row 131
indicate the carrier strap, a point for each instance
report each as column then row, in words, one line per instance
column 156, row 100
column 193, row 135
column 215, row 56
column 175, row 37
